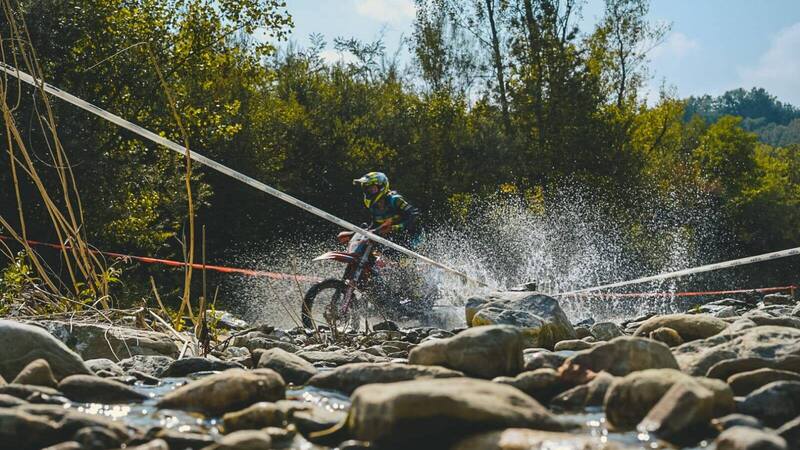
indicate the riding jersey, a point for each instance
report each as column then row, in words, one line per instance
column 395, row 208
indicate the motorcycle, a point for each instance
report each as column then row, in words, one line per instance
column 339, row 303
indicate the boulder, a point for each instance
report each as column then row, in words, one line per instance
column 93, row 389
column 348, row 377
column 256, row 416
column 689, row 326
column 524, row 439
column 774, row 404
column 231, row 390
column 419, row 410
column 484, row 352
column 667, row 336
column 37, row 372
column 104, row 365
column 292, row 368
column 769, row 342
column 746, row 438
column 682, row 407
column 153, row 365
column 581, row 396
column 744, row 383
column 22, row 343
column 541, row 384
column 186, row 366
column 620, row 356
column 790, row 431
column 26, row 431
column 605, row 331
column 107, row 341
column 541, row 358
column 540, row 316
column 630, row 398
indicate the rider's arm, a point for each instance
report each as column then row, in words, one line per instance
column 408, row 214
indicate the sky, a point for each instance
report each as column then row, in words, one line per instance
column 713, row 45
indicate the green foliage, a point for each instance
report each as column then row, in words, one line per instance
column 14, row 279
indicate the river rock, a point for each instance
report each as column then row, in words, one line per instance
column 231, row 390
column 185, row 366
column 619, row 357
column 418, row 411
column 540, row 316
column 37, row 372
column 338, row 357
column 744, row 383
column 484, row 352
column 572, row 345
column 778, row 299
column 745, row 438
column 93, row 389
column 105, row 366
column 542, row 358
column 581, row 396
column 688, row 326
column 348, row 377
column 525, row 439
column 774, row 404
column 735, row 420
column 9, row 401
column 178, row 440
column 96, row 437
column 630, row 398
column 682, row 407
column 292, row 368
column 605, row 331
column 541, row 384
column 769, row 342
column 69, row 445
column 256, row 416
column 22, row 343
column 764, row 318
column 790, row 431
column 243, row 440
column 26, row 431
column 666, row 335
column 155, row 444
column 69, row 421
column 153, row 365
column 311, row 418
column 729, row 367
column 107, row 341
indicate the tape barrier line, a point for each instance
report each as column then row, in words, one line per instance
column 790, row 288
column 147, row 134
column 700, row 269
column 173, row 263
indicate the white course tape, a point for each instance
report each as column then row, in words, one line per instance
column 222, row 168
column 693, row 270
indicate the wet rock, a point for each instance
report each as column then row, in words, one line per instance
column 153, row 365
column 630, row 398
column 338, row 357
column 683, row 407
column 774, row 404
column 778, row 299
column 256, row 416
column 418, row 411
column 667, row 336
column 106, row 341
column 769, row 342
column 69, row 445
column 26, row 431
column 225, row 319
column 96, row 438
column 70, row 421
column 579, row 397
column 541, row 384
column 572, row 345
column 348, row 377
column 729, row 367
column 524, row 439
column 231, row 390
column 790, row 431
column 689, row 326
column 725, row 312
column 313, row 418
column 258, row 340
column 582, row 332
column 104, row 365
column 37, row 372
column 484, row 352
column 735, row 420
column 185, row 366
column 386, row 325
column 9, row 401
column 25, row 391
column 605, row 331
column 291, row 367
column 541, row 318
column 745, row 438
column 93, row 389
column 156, row 444
column 141, row 376
column 542, row 359
column 744, row 383
column 762, row 318
column 243, row 440
column 177, row 440
column 620, row 356
column 22, row 343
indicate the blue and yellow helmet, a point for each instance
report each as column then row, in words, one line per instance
column 375, row 186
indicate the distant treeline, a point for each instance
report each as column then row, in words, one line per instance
column 499, row 95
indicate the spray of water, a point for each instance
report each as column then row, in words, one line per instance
column 572, row 240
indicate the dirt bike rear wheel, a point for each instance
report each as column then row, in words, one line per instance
column 321, row 305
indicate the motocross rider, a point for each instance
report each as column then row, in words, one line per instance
column 390, row 212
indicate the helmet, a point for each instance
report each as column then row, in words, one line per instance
column 375, row 186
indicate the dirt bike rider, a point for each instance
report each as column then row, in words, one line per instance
column 391, row 214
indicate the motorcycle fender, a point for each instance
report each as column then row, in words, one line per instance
column 336, row 256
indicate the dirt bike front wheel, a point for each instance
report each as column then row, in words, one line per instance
column 322, row 305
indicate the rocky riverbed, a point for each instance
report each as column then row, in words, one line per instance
column 725, row 375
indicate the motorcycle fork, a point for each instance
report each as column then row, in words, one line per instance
column 352, row 281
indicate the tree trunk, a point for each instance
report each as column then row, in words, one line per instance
column 498, row 66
